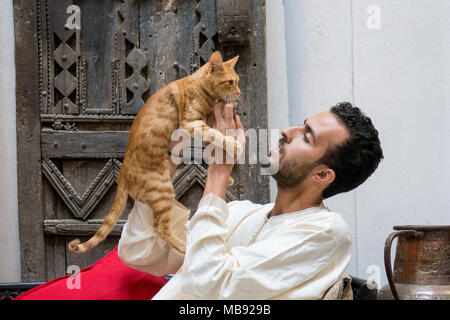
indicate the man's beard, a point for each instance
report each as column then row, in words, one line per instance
column 290, row 174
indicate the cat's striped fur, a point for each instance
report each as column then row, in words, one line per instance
column 144, row 174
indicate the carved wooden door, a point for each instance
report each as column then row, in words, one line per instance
column 84, row 69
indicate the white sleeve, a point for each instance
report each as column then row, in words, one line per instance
column 260, row 271
column 142, row 249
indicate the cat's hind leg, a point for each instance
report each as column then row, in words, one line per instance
column 159, row 196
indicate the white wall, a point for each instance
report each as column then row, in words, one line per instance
column 319, row 59
column 402, row 79
column 9, row 228
column 400, row 76
column 277, row 86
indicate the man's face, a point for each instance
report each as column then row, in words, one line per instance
column 301, row 147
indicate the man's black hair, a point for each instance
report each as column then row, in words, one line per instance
column 356, row 159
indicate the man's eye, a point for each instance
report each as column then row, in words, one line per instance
column 305, row 138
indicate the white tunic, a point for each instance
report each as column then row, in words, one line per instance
column 233, row 251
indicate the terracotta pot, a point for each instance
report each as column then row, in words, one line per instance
column 422, row 264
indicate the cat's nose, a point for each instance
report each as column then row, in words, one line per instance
column 238, row 91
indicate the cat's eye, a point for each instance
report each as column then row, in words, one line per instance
column 231, row 82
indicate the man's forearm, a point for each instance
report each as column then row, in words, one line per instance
column 217, row 180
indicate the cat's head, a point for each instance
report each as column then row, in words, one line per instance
column 222, row 79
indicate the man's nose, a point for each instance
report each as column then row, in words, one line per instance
column 290, row 133
column 284, row 133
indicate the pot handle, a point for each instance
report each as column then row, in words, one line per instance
column 387, row 255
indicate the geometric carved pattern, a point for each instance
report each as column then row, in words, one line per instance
column 82, row 206
column 233, row 21
column 65, row 69
column 136, row 84
column 190, row 175
column 131, row 84
column 204, row 36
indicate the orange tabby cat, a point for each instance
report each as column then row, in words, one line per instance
column 145, row 173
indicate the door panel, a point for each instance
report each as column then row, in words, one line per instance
column 79, row 89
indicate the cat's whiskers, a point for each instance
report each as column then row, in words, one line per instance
column 230, row 99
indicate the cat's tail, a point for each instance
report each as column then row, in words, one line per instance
column 114, row 214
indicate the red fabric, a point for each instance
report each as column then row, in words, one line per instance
column 108, row 279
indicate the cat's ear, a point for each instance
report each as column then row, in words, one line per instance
column 215, row 62
column 232, row 62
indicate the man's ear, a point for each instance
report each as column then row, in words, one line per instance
column 215, row 62
column 232, row 62
column 324, row 175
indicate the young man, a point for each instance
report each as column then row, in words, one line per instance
column 295, row 248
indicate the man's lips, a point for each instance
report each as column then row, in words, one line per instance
column 278, row 149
